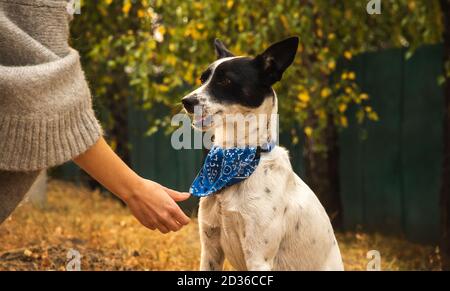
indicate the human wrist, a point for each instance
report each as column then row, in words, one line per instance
column 133, row 189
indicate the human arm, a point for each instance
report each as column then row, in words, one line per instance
column 152, row 204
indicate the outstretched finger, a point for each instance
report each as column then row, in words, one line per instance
column 177, row 196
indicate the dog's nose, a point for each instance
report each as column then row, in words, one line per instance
column 189, row 103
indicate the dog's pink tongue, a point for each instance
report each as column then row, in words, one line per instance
column 201, row 120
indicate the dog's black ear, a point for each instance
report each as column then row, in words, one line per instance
column 276, row 59
column 221, row 50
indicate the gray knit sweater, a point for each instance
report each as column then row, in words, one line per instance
column 46, row 115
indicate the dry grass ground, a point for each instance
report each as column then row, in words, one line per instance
column 109, row 238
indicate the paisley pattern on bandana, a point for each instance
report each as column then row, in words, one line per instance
column 226, row 167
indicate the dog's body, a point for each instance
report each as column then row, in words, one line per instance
column 272, row 220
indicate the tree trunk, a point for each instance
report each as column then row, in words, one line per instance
column 322, row 173
column 445, row 187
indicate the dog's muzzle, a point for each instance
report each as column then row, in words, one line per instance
column 189, row 103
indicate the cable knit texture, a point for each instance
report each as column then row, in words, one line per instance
column 46, row 115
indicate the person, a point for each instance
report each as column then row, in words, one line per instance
column 46, row 117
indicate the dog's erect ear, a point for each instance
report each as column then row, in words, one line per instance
column 221, row 50
column 276, row 59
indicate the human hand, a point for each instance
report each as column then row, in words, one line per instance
column 154, row 206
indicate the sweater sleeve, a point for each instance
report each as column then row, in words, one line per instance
column 46, row 115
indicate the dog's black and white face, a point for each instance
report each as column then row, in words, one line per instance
column 233, row 84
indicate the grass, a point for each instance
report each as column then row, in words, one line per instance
column 109, row 238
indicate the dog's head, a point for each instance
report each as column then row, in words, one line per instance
column 233, row 84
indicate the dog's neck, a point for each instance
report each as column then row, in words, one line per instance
column 253, row 128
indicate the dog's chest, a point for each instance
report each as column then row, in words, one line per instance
column 252, row 199
column 232, row 226
column 239, row 210
column 230, row 205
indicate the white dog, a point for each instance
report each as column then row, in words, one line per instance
column 271, row 220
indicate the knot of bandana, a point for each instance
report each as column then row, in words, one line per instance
column 226, row 167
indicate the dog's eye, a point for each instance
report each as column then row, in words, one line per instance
column 225, row 81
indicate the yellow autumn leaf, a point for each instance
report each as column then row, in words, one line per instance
column 126, row 7
column 304, row 97
column 303, row 105
column 163, row 88
column 108, row 2
column 200, row 25
column 230, row 4
column 171, row 60
column 344, row 76
column 368, row 109
column 319, row 33
column 319, row 22
column 348, row 55
column 331, row 65
column 198, row 5
column 188, row 78
column 308, row 131
column 342, row 107
column 284, row 21
column 348, row 90
column 192, row 32
column 161, row 29
column 373, row 116
column 364, row 96
column 141, row 13
column 351, row 76
column 325, row 92
column 344, row 121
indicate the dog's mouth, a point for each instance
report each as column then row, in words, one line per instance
column 204, row 121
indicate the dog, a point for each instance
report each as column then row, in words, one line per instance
column 272, row 220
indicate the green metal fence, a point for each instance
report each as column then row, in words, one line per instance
column 389, row 180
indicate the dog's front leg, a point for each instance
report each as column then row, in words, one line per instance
column 212, row 255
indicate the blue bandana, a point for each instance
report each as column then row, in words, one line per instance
column 226, row 167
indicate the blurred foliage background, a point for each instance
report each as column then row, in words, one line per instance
column 154, row 51
column 149, row 53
